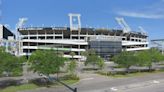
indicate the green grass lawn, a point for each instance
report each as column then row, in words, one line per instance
column 19, row 88
column 33, row 86
column 131, row 74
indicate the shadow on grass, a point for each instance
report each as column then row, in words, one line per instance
column 42, row 82
column 9, row 82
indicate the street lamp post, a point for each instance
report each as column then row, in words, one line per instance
column 51, row 79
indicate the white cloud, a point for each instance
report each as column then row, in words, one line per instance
column 152, row 11
column 141, row 15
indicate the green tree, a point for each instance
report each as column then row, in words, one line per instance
column 94, row 59
column 84, row 53
column 22, row 59
column 156, row 55
column 72, row 54
column 46, row 62
column 72, row 66
column 146, row 58
column 2, row 49
column 10, row 63
column 100, row 63
column 126, row 59
column 91, row 58
column 61, row 53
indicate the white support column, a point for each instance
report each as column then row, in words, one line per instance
column 86, row 39
column 53, row 34
column 20, row 49
column 79, row 26
column 94, row 33
column 79, row 21
column 45, row 35
column 62, row 35
column 37, row 35
column 79, row 34
column 28, row 35
column 28, row 51
column 79, row 51
column 70, row 34
column 70, row 20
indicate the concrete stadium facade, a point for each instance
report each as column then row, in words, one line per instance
column 106, row 42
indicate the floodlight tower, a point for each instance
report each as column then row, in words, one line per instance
column 20, row 24
column 123, row 24
column 75, row 22
column 142, row 30
column 75, row 25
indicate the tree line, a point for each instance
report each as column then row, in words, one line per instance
column 140, row 58
column 51, row 62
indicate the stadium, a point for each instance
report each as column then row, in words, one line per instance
column 106, row 42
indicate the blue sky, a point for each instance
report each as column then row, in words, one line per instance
column 96, row 13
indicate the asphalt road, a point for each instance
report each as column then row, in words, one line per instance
column 97, row 83
column 153, row 88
